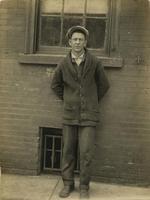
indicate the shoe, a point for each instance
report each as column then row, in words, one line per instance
column 65, row 192
column 84, row 194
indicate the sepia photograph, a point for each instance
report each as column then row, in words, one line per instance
column 75, row 99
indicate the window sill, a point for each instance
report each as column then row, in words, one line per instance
column 46, row 59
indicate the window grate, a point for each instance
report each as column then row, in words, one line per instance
column 52, row 150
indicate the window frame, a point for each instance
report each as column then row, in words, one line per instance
column 110, row 58
column 83, row 17
column 53, row 134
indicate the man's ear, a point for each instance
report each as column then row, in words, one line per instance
column 85, row 43
column 69, row 42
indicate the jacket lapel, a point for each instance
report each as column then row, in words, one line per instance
column 86, row 68
column 87, row 65
column 70, row 66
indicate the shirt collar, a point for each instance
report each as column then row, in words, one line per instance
column 78, row 57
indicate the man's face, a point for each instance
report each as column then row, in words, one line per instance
column 77, row 42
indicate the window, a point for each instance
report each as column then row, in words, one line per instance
column 52, row 150
column 47, row 23
column 57, row 16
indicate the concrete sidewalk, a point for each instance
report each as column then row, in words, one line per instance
column 47, row 187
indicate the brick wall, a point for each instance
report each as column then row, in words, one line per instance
column 134, row 31
column 12, row 29
column 27, row 103
column 123, row 136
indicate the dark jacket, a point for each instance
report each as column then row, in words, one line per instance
column 80, row 94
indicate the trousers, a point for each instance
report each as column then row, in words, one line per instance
column 73, row 137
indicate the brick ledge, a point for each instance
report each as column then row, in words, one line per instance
column 46, row 59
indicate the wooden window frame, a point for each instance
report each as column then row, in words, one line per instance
column 61, row 48
column 53, row 151
column 53, row 134
column 32, row 56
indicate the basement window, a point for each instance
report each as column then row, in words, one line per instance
column 52, row 150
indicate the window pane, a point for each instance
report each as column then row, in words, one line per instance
column 57, row 143
column 51, row 6
column 76, row 6
column 50, row 31
column 48, row 161
column 97, row 6
column 68, row 22
column 97, row 37
column 57, row 160
column 49, row 142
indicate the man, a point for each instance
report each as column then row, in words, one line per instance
column 80, row 81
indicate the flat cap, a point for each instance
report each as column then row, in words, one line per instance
column 80, row 29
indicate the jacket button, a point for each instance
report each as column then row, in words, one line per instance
column 82, row 102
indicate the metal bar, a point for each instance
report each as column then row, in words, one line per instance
column 44, row 166
column 53, row 152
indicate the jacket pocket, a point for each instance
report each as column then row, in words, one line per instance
column 69, row 107
column 94, row 109
column 70, row 112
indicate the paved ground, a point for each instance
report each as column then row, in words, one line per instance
column 47, row 187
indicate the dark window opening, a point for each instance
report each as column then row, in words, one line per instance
column 52, row 150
